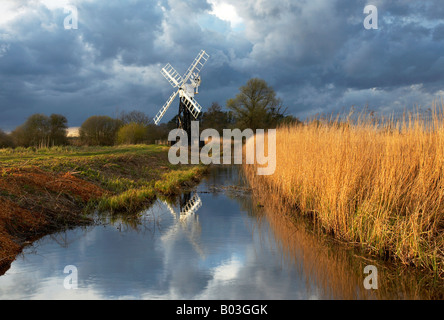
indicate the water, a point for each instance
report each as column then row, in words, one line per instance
column 225, row 247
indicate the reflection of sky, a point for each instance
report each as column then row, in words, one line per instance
column 217, row 257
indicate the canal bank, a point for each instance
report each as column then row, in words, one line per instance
column 47, row 190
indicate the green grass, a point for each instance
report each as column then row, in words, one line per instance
column 130, row 200
column 171, row 181
column 135, row 199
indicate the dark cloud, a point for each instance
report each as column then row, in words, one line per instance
column 316, row 54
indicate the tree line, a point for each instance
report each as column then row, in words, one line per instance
column 255, row 106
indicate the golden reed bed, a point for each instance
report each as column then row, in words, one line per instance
column 379, row 183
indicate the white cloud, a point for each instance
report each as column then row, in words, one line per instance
column 56, row 4
column 9, row 10
column 226, row 12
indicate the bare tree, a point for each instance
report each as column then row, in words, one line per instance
column 40, row 130
column 135, row 117
column 256, row 106
column 99, row 130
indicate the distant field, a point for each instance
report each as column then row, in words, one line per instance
column 23, row 156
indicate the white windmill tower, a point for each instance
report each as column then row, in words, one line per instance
column 188, row 105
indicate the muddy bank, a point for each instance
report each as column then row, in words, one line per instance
column 34, row 203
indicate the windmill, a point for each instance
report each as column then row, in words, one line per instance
column 188, row 106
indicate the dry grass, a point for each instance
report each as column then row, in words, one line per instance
column 376, row 183
column 34, row 202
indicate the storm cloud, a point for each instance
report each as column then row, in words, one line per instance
column 316, row 54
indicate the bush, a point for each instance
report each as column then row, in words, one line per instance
column 132, row 133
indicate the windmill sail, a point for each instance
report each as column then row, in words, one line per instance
column 191, row 206
column 165, row 108
column 172, row 75
column 191, row 104
column 197, row 65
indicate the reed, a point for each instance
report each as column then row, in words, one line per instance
column 375, row 182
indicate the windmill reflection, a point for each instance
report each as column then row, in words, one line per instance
column 189, row 205
column 186, row 221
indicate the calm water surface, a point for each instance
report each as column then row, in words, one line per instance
column 212, row 243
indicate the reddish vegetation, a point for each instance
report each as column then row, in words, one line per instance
column 34, row 202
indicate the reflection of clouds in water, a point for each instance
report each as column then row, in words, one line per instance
column 254, row 278
column 227, row 270
column 209, row 255
column 38, row 273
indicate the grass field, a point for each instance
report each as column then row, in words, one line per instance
column 44, row 190
column 377, row 184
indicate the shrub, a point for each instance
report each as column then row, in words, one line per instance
column 132, row 133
